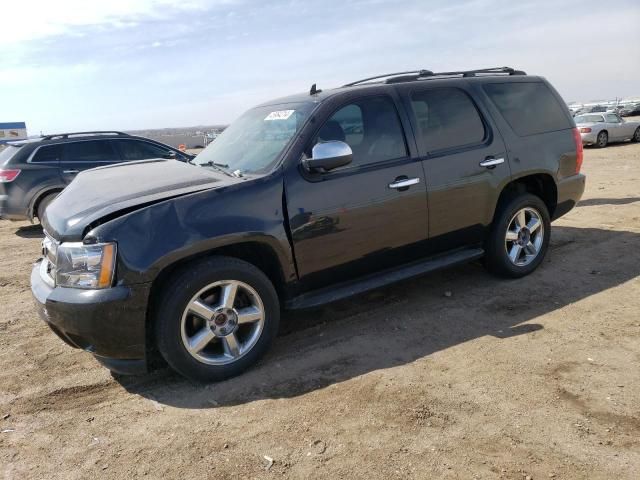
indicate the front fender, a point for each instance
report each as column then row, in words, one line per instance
column 156, row 236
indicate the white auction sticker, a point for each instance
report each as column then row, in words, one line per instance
column 279, row 115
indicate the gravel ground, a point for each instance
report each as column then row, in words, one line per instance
column 453, row 375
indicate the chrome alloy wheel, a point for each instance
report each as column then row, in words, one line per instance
column 222, row 322
column 524, row 236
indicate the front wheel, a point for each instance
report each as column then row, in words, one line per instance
column 519, row 237
column 636, row 135
column 216, row 319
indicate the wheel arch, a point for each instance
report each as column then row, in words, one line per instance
column 541, row 184
column 38, row 197
column 260, row 254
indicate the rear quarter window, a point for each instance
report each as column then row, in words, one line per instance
column 528, row 107
column 7, row 154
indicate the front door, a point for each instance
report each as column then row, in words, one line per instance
column 84, row 154
column 366, row 216
column 464, row 164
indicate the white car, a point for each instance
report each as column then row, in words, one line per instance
column 601, row 128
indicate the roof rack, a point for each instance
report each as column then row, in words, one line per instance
column 423, row 74
column 99, row 132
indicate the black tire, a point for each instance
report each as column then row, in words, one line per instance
column 602, row 139
column 497, row 259
column 636, row 135
column 176, row 295
column 43, row 204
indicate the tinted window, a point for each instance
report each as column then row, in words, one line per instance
column 529, row 108
column 90, row 151
column 50, row 153
column 371, row 128
column 136, row 150
column 7, row 154
column 446, row 118
column 612, row 119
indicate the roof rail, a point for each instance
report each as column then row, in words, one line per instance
column 418, row 72
column 423, row 74
column 97, row 132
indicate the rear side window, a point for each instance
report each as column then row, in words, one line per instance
column 446, row 118
column 90, row 151
column 136, row 150
column 529, row 108
column 47, row 154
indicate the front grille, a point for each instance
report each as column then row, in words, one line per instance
column 49, row 259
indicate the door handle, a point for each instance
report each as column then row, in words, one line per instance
column 491, row 162
column 71, row 171
column 404, row 183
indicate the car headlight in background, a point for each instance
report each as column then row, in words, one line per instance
column 85, row 266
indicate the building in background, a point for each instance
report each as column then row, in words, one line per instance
column 12, row 131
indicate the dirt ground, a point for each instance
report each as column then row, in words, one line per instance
column 534, row 378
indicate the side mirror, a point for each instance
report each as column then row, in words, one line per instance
column 329, row 155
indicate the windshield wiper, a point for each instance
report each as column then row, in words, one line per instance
column 221, row 167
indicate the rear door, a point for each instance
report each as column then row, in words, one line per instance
column 84, row 154
column 464, row 159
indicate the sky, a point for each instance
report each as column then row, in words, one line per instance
column 70, row 65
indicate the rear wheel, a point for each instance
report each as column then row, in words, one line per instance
column 636, row 135
column 519, row 237
column 602, row 140
column 43, row 204
column 217, row 318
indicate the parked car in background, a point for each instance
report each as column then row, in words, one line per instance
column 600, row 129
column 33, row 172
column 592, row 109
column 306, row 200
column 630, row 110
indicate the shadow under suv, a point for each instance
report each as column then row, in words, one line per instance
column 33, row 172
column 302, row 201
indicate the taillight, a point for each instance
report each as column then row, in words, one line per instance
column 7, row 176
column 585, row 130
column 579, row 149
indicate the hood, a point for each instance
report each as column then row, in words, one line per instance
column 105, row 191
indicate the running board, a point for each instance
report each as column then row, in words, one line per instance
column 380, row 279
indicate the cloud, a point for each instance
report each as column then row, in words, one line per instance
column 36, row 19
column 75, row 64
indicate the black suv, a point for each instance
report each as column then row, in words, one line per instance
column 301, row 201
column 33, row 172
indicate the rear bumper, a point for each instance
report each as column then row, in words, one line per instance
column 108, row 323
column 589, row 138
column 8, row 212
column 570, row 190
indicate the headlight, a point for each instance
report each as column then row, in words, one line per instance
column 85, row 266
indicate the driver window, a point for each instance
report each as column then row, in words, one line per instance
column 612, row 118
column 371, row 128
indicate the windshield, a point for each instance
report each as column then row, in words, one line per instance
column 7, row 153
column 254, row 141
column 589, row 119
